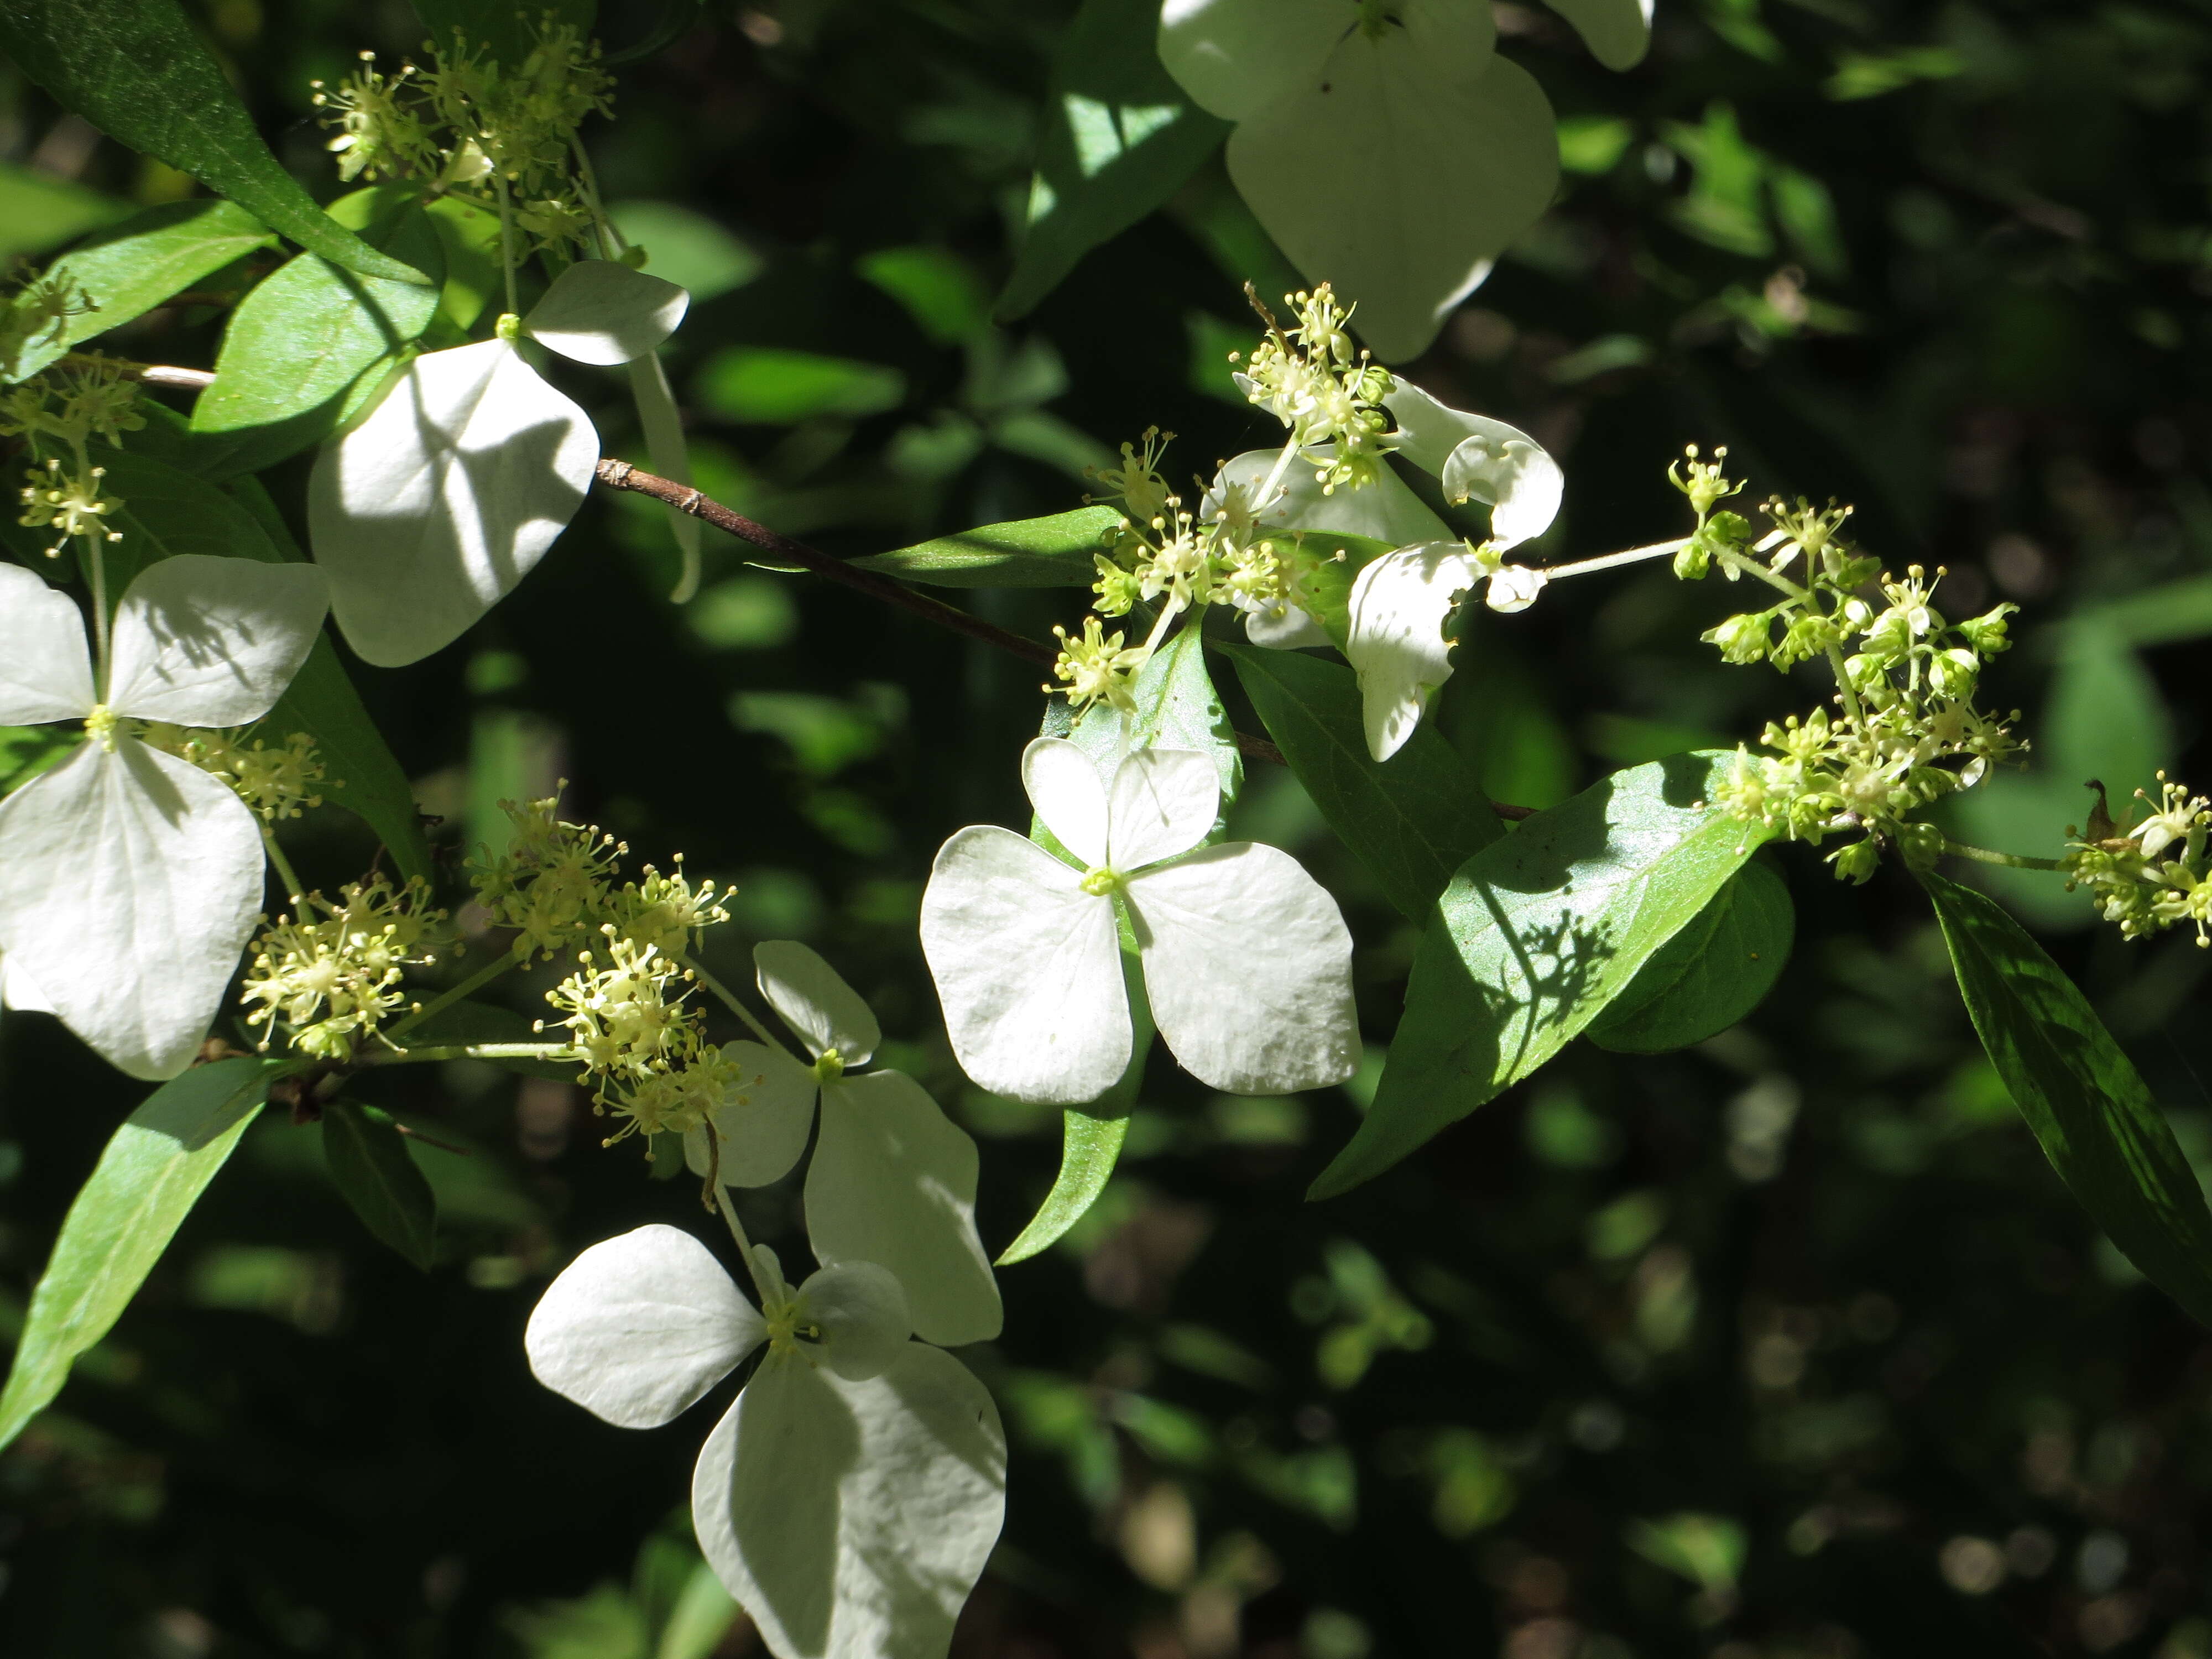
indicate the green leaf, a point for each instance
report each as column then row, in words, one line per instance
column 299, row 343
column 372, row 1168
column 509, row 29
column 487, row 1022
column 163, row 510
column 360, row 772
column 132, row 267
column 1536, row 934
column 2081, row 1096
column 147, row 1180
column 766, row 385
column 1091, row 1136
column 1708, row 976
column 1177, row 708
column 1048, row 552
column 468, row 240
column 138, row 70
column 39, row 212
column 1120, row 138
column 1412, row 821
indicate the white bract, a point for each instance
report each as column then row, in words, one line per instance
column 130, row 879
column 893, row 1179
column 1386, row 149
column 1247, row 961
column 601, row 312
column 429, row 512
column 1473, row 455
column 849, row 1497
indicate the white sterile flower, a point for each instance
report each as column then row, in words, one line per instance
column 893, row 1179
column 599, row 311
column 1473, row 455
column 429, row 512
column 1247, row 962
column 130, row 880
column 1400, row 606
column 850, row 1495
column 1385, row 511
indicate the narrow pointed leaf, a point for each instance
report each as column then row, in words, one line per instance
column 371, row 1164
column 1413, row 820
column 1049, row 552
column 2088, row 1104
column 1536, row 934
column 138, row 70
column 128, row 269
column 154, row 1170
column 1708, row 976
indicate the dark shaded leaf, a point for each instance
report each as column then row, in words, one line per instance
column 372, row 1168
column 1708, row 976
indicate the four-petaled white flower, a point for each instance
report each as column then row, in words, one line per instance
column 892, row 1180
column 130, row 880
column 851, row 1494
column 1247, row 961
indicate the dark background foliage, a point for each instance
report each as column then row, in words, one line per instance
column 1791, row 1345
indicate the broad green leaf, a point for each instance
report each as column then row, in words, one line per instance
column 138, row 70
column 1708, row 976
column 768, row 386
column 685, row 246
column 299, row 343
column 360, row 772
column 2082, row 1096
column 39, row 212
column 939, row 290
column 468, row 237
column 128, row 269
column 1392, row 175
column 163, row 510
column 508, row 28
column 2179, row 610
column 1091, row 1136
column 372, row 1168
column 1177, row 708
column 1049, row 552
column 1412, row 821
column 1120, row 137
column 1536, row 934
column 147, row 1180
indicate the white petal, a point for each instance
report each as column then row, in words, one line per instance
column 1284, row 627
column 764, row 1129
column 637, row 1327
column 18, row 992
column 1028, row 969
column 893, row 1181
column 1385, row 511
column 852, row 1519
column 45, row 666
column 1235, row 57
column 825, row 1011
column 1397, row 183
column 1248, row 965
column 1069, row 795
column 1617, row 31
column 1475, row 455
column 861, row 1309
column 129, row 883
column 430, row 511
column 599, row 311
column 1397, row 610
column 1163, row 803
column 208, row 641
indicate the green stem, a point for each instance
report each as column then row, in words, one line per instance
column 293, row 890
column 728, row 1207
column 472, row 1051
column 730, row 1001
column 507, row 242
column 445, row 999
column 611, row 238
column 2010, row 860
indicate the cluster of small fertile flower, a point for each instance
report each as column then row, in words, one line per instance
column 57, row 413
column 1329, row 394
column 331, row 975
column 278, row 782
column 631, row 1029
column 501, row 136
column 1906, row 731
column 2150, row 876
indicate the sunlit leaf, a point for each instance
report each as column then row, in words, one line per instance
column 1708, row 976
column 1049, row 552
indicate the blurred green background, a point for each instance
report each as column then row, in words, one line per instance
column 1791, row 1345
